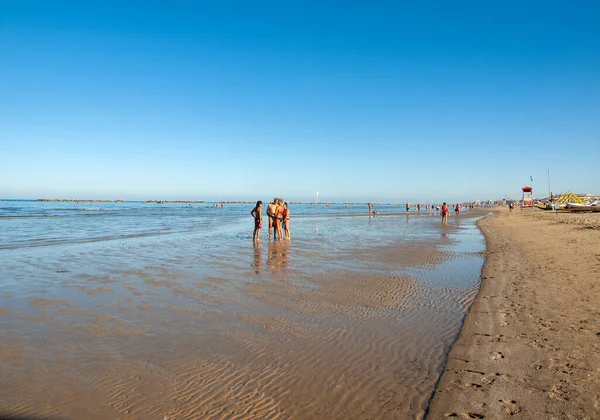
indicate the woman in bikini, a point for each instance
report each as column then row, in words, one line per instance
column 445, row 213
column 286, row 221
column 278, row 230
column 257, row 214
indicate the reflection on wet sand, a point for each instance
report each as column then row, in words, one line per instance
column 257, row 257
column 279, row 254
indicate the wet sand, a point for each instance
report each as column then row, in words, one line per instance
column 530, row 345
column 184, row 328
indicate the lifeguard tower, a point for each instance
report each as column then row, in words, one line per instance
column 527, row 198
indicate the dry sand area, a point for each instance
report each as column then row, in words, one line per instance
column 530, row 345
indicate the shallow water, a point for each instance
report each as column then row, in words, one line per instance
column 147, row 311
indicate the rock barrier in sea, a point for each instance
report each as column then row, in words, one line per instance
column 65, row 200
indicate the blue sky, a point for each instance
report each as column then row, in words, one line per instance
column 370, row 101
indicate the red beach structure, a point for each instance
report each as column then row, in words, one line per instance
column 527, row 197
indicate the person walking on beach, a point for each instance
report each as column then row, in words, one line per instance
column 457, row 209
column 407, row 207
column 271, row 215
column 445, row 213
column 370, row 205
column 286, row 221
column 257, row 214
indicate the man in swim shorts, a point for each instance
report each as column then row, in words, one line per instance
column 271, row 215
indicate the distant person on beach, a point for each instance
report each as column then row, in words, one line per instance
column 271, row 215
column 375, row 212
column 370, row 205
column 257, row 214
column 445, row 213
column 278, row 222
column 419, row 208
column 457, row 209
column 407, row 206
column 286, row 221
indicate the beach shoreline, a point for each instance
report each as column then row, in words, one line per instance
column 530, row 344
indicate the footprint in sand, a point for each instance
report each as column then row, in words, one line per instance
column 511, row 407
column 497, row 355
column 490, row 379
column 558, row 393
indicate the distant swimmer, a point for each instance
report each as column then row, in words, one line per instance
column 445, row 213
column 271, row 215
column 257, row 214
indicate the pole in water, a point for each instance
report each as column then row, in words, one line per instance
column 316, row 210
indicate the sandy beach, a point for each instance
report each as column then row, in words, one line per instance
column 530, row 345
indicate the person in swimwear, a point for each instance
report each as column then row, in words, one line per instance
column 257, row 214
column 286, row 221
column 457, row 209
column 407, row 207
column 271, row 215
column 445, row 213
column 278, row 221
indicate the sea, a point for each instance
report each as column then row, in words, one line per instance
column 148, row 310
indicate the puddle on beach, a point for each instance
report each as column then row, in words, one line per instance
column 352, row 318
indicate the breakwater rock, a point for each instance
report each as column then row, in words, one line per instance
column 64, row 200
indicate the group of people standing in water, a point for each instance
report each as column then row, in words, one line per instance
column 279, row 219
column 279, row 216
column 444, row 210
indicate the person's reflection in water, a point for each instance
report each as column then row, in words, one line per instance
column 457, row 221
column 279, row 254
column 257, row 264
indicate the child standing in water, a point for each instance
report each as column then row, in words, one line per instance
column 257, row 214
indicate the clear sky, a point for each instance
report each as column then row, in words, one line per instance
column 368, row 101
